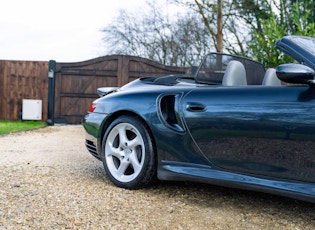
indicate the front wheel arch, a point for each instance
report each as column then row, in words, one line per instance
column 113, row 117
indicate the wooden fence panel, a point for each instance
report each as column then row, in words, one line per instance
column 76, row 83
column 22, row 80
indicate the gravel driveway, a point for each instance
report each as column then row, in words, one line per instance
column 48, row 180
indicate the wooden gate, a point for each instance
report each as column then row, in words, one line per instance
column 72, row 86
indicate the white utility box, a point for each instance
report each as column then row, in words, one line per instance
column 31, row 109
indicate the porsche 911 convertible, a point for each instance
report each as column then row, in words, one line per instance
column 232, row 124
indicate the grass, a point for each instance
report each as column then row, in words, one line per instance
column 14, row 126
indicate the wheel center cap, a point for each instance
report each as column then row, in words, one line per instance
column 127, row 151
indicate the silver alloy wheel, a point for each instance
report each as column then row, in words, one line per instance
column 124, row 152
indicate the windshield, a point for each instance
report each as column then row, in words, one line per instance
column 300, row 48
column 213, row 66
column 306, row 43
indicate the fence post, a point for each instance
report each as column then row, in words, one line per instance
column 51, row 92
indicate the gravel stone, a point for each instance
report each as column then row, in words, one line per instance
column 48, row 180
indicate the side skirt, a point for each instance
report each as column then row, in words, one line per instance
column 178, row 171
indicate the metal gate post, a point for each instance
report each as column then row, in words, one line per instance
column 51, row 92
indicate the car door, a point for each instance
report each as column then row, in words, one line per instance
column 260, row 130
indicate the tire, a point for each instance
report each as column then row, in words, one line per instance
column 129, row 157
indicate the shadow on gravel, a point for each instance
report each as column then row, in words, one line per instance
column 208, row 191
column 204, row 195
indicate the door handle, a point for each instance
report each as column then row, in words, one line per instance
column 195, row 107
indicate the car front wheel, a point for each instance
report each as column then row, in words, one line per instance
column 129, row 155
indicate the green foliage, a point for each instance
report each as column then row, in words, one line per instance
column 262, row 45
column 299, row 20
column 14, row 126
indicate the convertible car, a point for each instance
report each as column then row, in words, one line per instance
column 232, row 124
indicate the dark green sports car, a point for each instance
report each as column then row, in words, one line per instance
column 232, row 123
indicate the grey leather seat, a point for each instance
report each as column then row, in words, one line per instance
column 271, row 78
column 235, row 74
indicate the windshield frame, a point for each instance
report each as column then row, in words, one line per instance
column 300, row 48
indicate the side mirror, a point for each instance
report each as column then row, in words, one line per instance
column 295, row 73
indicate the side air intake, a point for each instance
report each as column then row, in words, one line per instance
column 169, row 112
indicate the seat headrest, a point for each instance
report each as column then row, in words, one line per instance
column 235, row 74
column 270, row 77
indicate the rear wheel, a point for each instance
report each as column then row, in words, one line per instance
column 129, row 156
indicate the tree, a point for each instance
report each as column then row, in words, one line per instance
column 236, row 24
column 178, row 41
column 243, row 27
column 211, row 13
column 226, row 20
column 296, row 22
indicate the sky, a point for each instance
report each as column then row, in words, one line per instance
column 60, row 30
